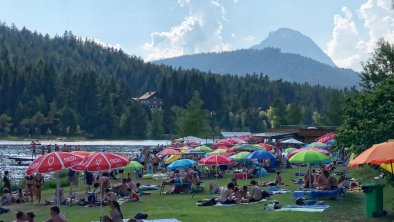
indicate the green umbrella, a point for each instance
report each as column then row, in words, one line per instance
column 241, row 156
column 288, row 150
column 318, row 145
column 248, row 147
column 309, row 156
column 133, row 165
column 204, row 149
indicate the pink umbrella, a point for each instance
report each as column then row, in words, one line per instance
column 326, row 137
column 289, row 155
column 53, row 162
column 169, row 152
column 266, row 146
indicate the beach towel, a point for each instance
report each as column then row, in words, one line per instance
column 281, row 191
column 262, row 200
column 312, row 210
column 223, row 205
column 305, row 208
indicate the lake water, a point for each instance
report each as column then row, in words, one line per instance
column 130, row 148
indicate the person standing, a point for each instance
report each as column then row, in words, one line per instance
column 29, row 183
column 6, row 180
column 38, row 184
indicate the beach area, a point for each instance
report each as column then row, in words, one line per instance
column 183, row 205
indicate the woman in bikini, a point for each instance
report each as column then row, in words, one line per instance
column 29, row 181
column 38, row 183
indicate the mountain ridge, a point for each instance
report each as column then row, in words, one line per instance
column 270, row 61
column 292, row 41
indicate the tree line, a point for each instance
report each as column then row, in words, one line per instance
column 66, row 86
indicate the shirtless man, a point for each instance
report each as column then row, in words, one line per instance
column 56, row 216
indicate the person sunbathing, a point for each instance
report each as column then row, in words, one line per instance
column 214, row 188
column 131, row 196
column 110, row 195
column 121, row 189
column 322, row 180
column 7, row 198
column 115, row 212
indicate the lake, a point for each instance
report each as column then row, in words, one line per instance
column 129, row 148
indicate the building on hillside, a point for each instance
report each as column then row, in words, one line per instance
column 152, row 100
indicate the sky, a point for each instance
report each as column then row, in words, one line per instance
column 347, row 30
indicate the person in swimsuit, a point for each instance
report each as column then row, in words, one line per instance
column 29, row 182
column 115, row 212
column 38, row 183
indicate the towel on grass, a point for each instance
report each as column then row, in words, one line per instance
column 313, row 210
column 281, row 191
column 262, row 200
column 223, row 205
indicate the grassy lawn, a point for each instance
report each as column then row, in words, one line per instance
column 182, row 206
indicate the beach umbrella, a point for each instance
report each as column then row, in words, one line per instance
column 215, row 160
column 172, row 158
column 388, row 166
column 219, row 151
column 261, row 155
column 204, row 149
column 309, row 157
column 379, row 154
column 102, row 162
column 193, row 151
column 318, row 145
column 53, row 162
column 268, row 147
column 82, row 153
column 248, row 147
column 182, row 163
column 133, row 165
column 325, row 138
column 330, row 142
column 240, row 156
column 288, row 150
column 169, row 152
column 292, row 141
column 325, row 152
column 184, row 149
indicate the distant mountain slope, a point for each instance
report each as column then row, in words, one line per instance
column 291, row 41
column 277, row 65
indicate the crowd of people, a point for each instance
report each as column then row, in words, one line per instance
column 54, row 212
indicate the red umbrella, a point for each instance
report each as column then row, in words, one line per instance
column 169, row 152
column 215, row 160
column 102, row 162
column 82, row 153
column 266, row 146
column 53, row 162
column 289, row 155
column 325, row 138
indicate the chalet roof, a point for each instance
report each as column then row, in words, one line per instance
column 147, row 95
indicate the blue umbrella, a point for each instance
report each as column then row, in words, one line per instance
column 182, row 163
column 261, row 155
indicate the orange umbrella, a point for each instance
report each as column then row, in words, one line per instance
column 377, row 154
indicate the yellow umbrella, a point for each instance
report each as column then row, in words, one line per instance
column 219, row 151
column 184, row 149
column 387, row 166
column 172, row 158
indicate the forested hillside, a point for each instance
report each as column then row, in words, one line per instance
column 65, row 86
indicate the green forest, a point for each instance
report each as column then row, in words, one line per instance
column 67, row 86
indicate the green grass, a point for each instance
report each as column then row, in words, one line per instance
column 182, row 206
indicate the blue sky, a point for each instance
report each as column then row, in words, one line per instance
column 155, row 29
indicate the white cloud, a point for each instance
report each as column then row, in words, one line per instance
column 200, row 31
column 347, row 46
column 250, row 38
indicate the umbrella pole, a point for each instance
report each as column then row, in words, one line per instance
column 310, row 176
column 57, row 190
column 102, row 199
